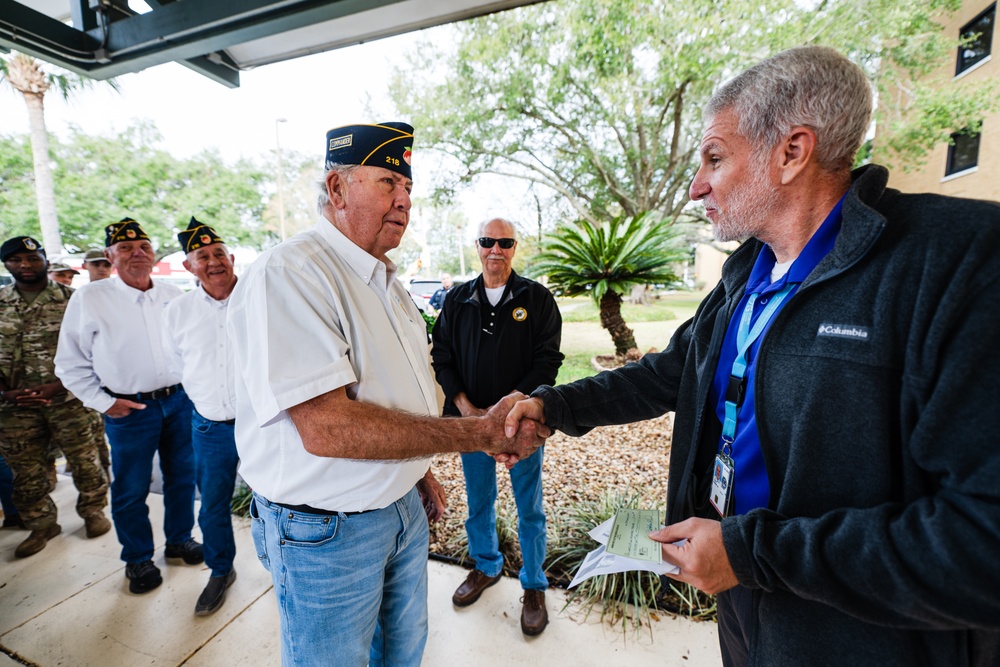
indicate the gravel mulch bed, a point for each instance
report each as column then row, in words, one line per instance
column 612, row 459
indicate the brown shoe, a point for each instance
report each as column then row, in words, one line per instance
column 472, row 588
column 37, row 541
column 97, row 525
column 534, row 615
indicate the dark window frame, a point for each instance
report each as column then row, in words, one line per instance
column 956, row 152
column 964, row 63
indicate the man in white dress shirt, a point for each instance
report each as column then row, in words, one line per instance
column 196, row 332
column 111, row 356
column 335, row 422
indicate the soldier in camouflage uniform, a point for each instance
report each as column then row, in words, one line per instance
column 35, row 409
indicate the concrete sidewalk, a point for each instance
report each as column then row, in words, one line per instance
column 69, row 605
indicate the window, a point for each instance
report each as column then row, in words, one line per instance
column 980, row 33
column 963, row 153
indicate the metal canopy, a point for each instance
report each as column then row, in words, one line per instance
column 218, row 38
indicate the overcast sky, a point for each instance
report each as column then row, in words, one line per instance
column 313, row 94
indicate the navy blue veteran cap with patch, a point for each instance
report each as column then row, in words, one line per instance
column 387, row 145
column 197, row 235
column 19, row 244
column 125, row 229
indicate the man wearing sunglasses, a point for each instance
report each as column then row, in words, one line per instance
column 497, row 334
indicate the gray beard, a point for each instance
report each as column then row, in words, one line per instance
column 748, row 211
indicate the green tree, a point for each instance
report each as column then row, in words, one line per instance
column 100, row 179
column 25, row 75
column 605, row 261
column 599, row 100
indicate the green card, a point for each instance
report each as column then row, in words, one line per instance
column 630, row 535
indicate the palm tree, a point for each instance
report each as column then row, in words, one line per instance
column 25, row 75
column 606, row 261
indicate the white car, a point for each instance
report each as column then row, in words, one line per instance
column 421, row 290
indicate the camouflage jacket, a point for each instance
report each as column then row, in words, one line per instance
column 29, row 334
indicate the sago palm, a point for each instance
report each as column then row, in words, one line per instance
column 606, row 261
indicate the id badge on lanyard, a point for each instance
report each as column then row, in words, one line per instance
column 724, row 471
column 721, row 495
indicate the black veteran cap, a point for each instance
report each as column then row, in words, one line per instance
column 197, row 235
column 19, row 244
column 386, row 145
column 125, row 229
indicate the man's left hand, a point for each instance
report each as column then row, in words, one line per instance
column 703, row 560
column 38, row 396
column 432, row 495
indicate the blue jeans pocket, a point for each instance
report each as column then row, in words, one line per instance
column 257, row 531
column 307, row 530
column 201, row 424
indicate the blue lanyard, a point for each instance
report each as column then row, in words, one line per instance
column 745, row 337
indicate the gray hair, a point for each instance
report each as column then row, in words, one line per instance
column 482, row 226
column 345, row 171
column 808, row 86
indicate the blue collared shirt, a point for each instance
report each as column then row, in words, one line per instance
column 751, row 488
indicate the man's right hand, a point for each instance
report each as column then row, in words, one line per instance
column 122, row 407
column 522, row 434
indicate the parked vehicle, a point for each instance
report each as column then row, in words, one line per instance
column 421, row 290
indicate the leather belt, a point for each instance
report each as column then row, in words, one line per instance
column 306, row 509
column 147, row 395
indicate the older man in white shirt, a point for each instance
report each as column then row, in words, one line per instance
column 196, row 333
column 334, row 417
column 111, row 356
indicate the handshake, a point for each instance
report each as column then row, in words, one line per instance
column 516, row 427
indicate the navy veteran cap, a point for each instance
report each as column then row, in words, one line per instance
column 125, row 229
column 197, row 235
column 19, row 244
column 387, row 145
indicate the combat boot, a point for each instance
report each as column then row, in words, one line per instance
column 96, row 525
column 37, row 541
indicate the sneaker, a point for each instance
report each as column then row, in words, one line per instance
column 96, row 525
column 534, row 615
column 214, row 594
column 190, row 551
column 142, row 577
column 37, row 541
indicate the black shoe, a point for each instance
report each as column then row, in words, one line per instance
column 13, row 521
column 142, row 577
column 214, row 594
column 190, row 551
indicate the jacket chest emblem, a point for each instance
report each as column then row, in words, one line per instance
column 519, row 314
column 852, row 331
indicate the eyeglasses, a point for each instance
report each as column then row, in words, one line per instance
column 487, row 242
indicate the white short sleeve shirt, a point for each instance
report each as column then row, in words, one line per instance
column 312, row 315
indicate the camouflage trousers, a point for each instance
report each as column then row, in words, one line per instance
column 26, row 435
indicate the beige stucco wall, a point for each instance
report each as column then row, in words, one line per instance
column 984, row 181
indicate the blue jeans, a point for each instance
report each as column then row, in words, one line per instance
column 164, row 426
column 7, row 490
column 481, row 526
column 216, row 460
column 351, row 589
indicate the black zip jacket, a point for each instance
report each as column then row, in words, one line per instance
column 878, row 405
column 523, row 350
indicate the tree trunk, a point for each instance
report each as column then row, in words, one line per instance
column 44, row 189
column 611, row 319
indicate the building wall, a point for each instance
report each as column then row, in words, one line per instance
column 984, row 181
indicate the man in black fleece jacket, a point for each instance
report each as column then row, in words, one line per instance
column 852, row 422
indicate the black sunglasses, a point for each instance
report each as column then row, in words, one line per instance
column 487, row 242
